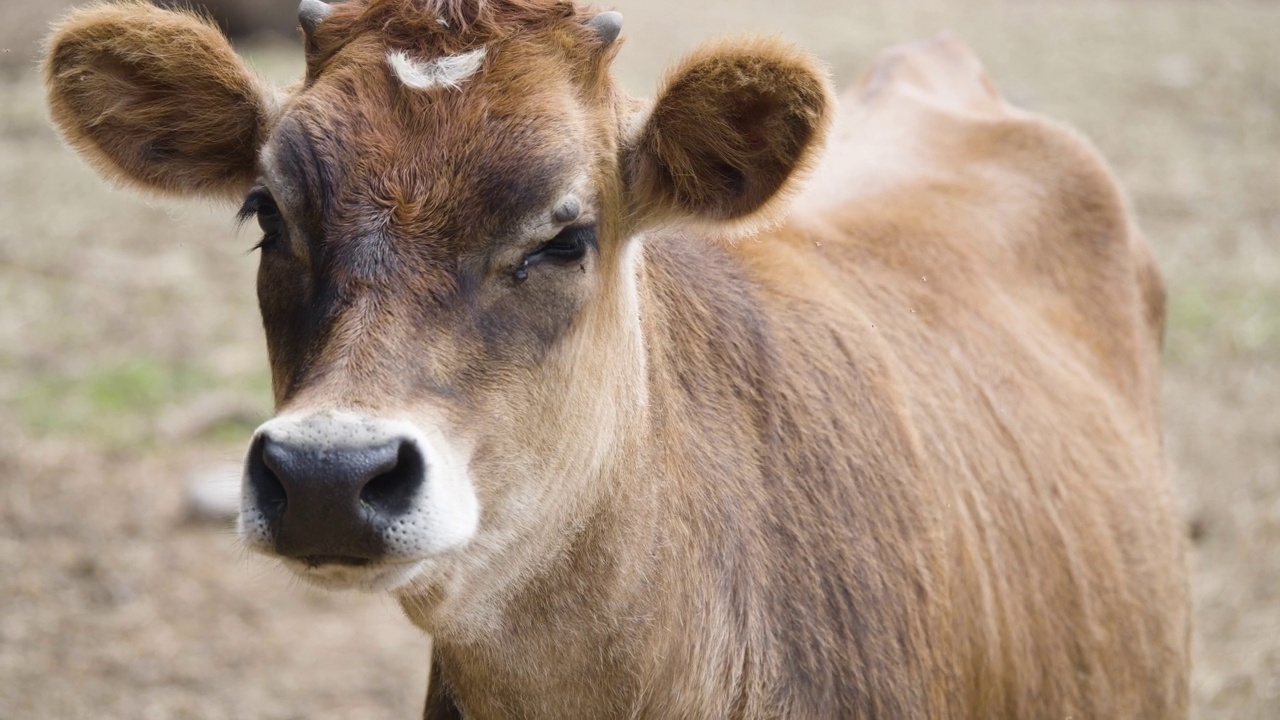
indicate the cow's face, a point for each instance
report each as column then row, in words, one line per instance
column 436, row 223
column 449, row 272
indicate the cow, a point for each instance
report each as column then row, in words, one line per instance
column 752, row 401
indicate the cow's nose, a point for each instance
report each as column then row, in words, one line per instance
column 333, row 503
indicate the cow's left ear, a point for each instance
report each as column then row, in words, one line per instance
column 734, row 125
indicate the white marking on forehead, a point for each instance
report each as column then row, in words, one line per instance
column 450, row 71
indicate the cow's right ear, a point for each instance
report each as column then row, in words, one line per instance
column 156, row 98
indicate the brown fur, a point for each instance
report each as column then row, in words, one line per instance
column 695, row 160
column 116, row 68
column 898, row 457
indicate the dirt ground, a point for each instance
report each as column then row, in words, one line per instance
column 131, row 363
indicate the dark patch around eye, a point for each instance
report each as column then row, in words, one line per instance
column 300, row 159
column 512, row 195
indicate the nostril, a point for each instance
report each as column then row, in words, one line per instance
column 266, row 485
column 391, row 493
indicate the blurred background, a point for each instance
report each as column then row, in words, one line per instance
column 132, row 366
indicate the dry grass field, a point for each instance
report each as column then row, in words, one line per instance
column 131, row 362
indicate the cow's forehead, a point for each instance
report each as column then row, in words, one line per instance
column 360, row 147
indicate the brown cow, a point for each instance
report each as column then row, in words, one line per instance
column 897, row 454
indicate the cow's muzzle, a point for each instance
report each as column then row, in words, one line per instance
column 340, row 489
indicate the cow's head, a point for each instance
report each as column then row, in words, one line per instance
column 451, row 204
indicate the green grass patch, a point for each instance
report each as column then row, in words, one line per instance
column 1227, row 320
column 119, row 404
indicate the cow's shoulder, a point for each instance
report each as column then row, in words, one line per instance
column 933, row 176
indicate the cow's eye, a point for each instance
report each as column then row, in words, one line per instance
column 269, row 217
column 260, row 203
column 568, row 247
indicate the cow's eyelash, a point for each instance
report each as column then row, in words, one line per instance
column 251, row 204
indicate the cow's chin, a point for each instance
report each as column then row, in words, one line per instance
column 375, row 578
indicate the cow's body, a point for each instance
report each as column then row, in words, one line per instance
column 901, row 457
column 898, row 456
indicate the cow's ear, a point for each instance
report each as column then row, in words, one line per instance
column 735, row 123
column 156, row 98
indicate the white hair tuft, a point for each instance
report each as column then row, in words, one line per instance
column 450, row 71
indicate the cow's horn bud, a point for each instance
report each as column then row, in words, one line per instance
column 311, row 13
column 607, row 26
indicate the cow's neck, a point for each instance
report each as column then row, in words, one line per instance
column 574, row 640
column 569, row 643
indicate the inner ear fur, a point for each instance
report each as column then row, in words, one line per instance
column 735, row 125
column 155, row 98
